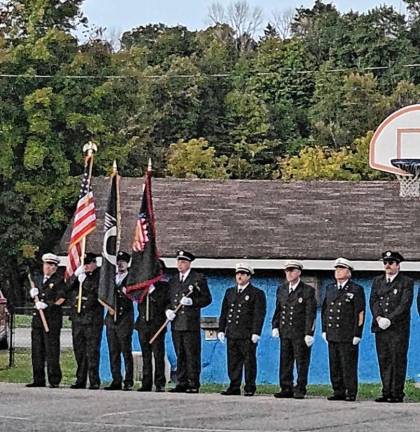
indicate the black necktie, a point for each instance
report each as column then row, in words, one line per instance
column 339, row 287
column 388, row 281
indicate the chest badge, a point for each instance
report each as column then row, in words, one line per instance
column 395, row 291
column 246, row 297
column 300, row 300
column 51, row 286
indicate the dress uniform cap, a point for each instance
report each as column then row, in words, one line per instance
column 392, row 256
column 244, row 267
column 184, row 255
column 293, row 264
column 90, row 257
column 50, row 258
column 343, row 262
column 123, row 256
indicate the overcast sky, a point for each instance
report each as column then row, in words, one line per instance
column 121, row 15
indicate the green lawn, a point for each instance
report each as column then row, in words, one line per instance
column 23, row 321
column 22, row 373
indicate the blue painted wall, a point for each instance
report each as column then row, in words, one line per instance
column 214, row 352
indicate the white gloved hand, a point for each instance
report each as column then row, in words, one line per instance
column 186, row 301
column 124, row 290
column 170, row 314
column 255, row 338
column 324, row 336
column 383, row 323
column 309, row 340
column 356, row 340
column 80, row 270
column 33, row 292
column 221, row 337
column 275, row 333
column 151, row 289
column 41, row 305
column 81, row 277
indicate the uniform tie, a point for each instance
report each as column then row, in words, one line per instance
column 290, row 289
column 388, row 281
column 340, row 287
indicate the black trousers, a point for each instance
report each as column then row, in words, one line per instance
column 188, row 357
column 291, row 351
column 155, row 350
column 343, row 358
column 391, row 348
column 242, row 355
column 119, row 336
column 46, row 349
column 87, row 346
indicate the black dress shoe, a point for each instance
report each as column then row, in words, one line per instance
column 336, row 398
column 298, row 395
column 249, row 394
column 192, row 390
column 35, row 385
column 113, row 387
column 144, row 389
column 159, row 389
column 283, row 394
column 78, row 386
column 231, row 392
column 127, row 387
column 178, row 389
column 53, row 385
column 396, row 399
column 383, row 399
column 94, row 387
column 350, row 398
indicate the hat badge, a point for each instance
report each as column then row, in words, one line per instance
column 388, row 253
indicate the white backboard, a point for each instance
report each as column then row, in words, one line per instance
column 397, row 137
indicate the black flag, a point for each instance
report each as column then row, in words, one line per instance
column 110, row 245
column 145, row 267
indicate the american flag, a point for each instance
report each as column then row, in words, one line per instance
column 84, row 221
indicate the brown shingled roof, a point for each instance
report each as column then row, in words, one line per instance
column 269, row 219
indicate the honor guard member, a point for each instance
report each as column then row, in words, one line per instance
column 390, row 303
column 87, row 324
column 241, row 321
column 188, row 289
column 119, row 329
column 343, row 317
column 150, row 319
column 294, row 321
column 49, row 295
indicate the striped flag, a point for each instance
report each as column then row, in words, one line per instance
column 84, row 221
column 145, row 268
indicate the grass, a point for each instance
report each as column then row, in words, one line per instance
column 24, row 321
column 22, row 373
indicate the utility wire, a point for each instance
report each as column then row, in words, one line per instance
column 218, row 75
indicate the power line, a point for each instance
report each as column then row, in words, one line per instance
column 217, row 75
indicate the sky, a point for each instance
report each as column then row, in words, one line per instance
column 118, row 16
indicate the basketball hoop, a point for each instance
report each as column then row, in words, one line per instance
column 410, row 183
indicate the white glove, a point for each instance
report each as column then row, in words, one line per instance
column 80, row 270
column 324, row 336
column 275, row 333
column 255, row 338
column 309, row 340
column 81, row 277
column 41, row 305
column 186, row 301
column 170, row 314
column 356, row 340
column 151, row 289
column 383, row 323
column 34, row 292
column 124, row 290
column 221, row 337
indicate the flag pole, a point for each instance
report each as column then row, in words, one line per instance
column 89, row 149
column 118, row 227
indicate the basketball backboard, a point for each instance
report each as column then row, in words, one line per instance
column 397, row 137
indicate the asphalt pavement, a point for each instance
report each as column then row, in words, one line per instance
column 64, row 409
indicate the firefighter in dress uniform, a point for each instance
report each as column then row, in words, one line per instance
column 119, row 329
column 48, row 297
column 189, row 289
column 343, row 317
column 390, row 303
column 150, row 319
column 294, row 322
column 86, row 325
column 241, row 321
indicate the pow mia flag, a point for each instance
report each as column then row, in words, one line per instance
column 110, row 244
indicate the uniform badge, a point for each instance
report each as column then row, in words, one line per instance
column 51, row 285
column 395, row 291
column 247, row 297
column 350, row 295
column 300, row 300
